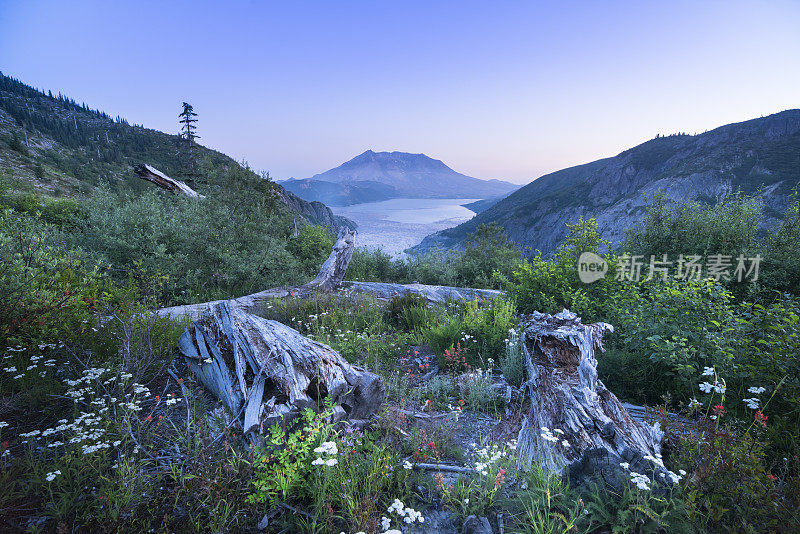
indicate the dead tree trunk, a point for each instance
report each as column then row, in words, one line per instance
column 332, row 272
column 151, row 174
column 574, row 421
column 266, row 372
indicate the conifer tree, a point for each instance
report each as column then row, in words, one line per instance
column 189, row 133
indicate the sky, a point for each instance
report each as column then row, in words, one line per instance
column 508, row 90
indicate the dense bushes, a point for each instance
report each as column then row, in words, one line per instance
column 488, row 251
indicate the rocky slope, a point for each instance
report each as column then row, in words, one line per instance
column 759, row 156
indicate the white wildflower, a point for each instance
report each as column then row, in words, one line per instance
column 705, row 387
column 51, row 476
column 752, row 403
column 757, row 390
column 708, row 371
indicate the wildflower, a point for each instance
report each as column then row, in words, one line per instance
column 328, row 447
column 51, row 476
column 682, row 472
column 385, row 523
column 705, row 387
column 719, row 388
column 3, row 424
column 331, row 462
column 708, row 371
column 406, row 464
column 760, row 418
column 565, row 443
column 640, row 480
column 757, row 390
column 625, row 465
column 752, row 403
column 720, row 410
column 694, row 404
column 547, row 435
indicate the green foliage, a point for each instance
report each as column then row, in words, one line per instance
column 781, row 268
column 633, row 510
column 206, row 250
column 410, row 312
column 488, row 251
column 477, row 494
column 372, row 265
column 480, row 327
column 677, row 329
column 727, row 227
column 311, row 246
column 282, row 469
column 548, row 505
column 16, row 145
column 551, row 285
column 513, row 363
column 46, row 290
column 731, row 488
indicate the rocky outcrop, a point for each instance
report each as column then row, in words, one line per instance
column 315, row 212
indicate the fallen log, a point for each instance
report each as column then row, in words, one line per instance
column 151, row 174
column 329, row 279
column 433, row 294
column 574, row 422
column 266, row 372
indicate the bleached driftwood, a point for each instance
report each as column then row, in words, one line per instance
column 266, row 372
column 434, row 294
column 565, row 394
column 333, row 270
column 151, row 174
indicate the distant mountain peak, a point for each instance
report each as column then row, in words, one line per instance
column 409, row 175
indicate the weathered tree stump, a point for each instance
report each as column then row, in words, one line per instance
column 574, row 421
column 332, row 273
column 266, row 372
column 151, row 174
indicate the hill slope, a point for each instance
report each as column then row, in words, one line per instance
column 409, row 175
column 53, row 146
column 757, row 156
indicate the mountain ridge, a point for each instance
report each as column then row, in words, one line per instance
column 759, row 156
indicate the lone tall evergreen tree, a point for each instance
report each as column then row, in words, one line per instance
column 189, row 133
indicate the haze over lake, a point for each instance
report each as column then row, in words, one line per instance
column 397, row 224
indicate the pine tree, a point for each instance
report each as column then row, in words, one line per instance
column 189, row 133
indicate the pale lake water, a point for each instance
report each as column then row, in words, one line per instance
column 397, row 224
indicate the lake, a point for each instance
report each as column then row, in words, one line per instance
column 397, row 224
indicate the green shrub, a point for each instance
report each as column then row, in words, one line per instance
column 781, row 268
column 551, row 285
column 46, row 290
column 311, row 247
column 206, row 250
column 728, row 226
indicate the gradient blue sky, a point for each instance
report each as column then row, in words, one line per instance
column 508, row 90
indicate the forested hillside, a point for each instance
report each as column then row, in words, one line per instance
column 53, row 146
